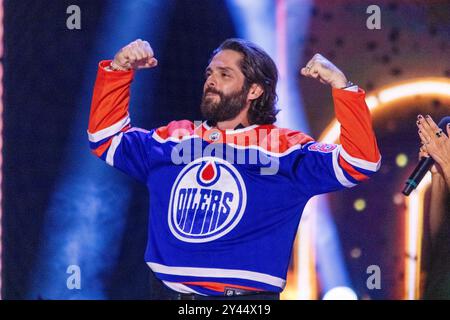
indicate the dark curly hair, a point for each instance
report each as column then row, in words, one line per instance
column 257, row 67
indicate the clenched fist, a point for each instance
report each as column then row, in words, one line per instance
column 321, row 68
column 136, row 55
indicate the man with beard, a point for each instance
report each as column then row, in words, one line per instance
column 221, row 228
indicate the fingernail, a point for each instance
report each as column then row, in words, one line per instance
column 418, row 122
column 428, row 116
column 419, row 116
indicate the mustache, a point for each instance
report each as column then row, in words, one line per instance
column 212, row 90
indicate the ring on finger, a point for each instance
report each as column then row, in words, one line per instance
column 439, row 133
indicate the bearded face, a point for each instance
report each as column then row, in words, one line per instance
column 217, row 106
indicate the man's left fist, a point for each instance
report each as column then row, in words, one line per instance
column 321, row 68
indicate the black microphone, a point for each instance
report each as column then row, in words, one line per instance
column 424, row 164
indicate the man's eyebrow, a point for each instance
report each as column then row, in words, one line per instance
column 221, row 69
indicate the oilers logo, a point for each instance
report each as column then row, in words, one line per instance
column 207, row 200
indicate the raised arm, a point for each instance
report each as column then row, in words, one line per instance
column 111, row 136
column 329, row 167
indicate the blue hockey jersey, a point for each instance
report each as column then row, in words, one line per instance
column 225, row 205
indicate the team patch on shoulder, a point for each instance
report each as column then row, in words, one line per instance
column 322, row 147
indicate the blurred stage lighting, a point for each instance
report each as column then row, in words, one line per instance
column 355, row 253
column 359, row 205
column 401, row 160
column 340, row 293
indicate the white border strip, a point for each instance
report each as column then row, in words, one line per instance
column 218, row 273
column 179, row 287
column 109, row 131
column 112, row 149
column 338, row 170
column 273, row 154
column 364, row 164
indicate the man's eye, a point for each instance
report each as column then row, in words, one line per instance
column 225, row 75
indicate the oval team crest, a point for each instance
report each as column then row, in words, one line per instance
column 207, row 200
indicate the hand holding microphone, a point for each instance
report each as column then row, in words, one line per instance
column 435, row 138
column 435, row 143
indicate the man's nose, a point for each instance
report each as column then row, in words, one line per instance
column 211, row 82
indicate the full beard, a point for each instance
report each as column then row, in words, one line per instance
column 227, row 108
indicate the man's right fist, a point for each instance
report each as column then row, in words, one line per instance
column 136, row 55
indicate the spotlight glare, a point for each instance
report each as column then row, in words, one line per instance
column 398, row 198
column 340, row 293
column 372, row 102
column 355, row 253
column 401, row 160
column 412, row 89
column 359, row 204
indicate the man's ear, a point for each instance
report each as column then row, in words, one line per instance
column 255, row 91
